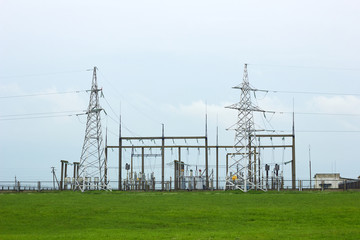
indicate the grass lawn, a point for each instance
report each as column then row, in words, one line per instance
column 180, row 215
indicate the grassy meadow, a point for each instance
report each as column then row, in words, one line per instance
column 180, row 215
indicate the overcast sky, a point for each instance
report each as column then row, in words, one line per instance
column 164, row 61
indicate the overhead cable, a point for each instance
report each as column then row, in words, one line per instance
column 43, row 94
column 305, row 92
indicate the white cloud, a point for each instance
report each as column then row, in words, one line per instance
column 337, row 104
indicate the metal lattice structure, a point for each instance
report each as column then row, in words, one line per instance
column 92, row 172
column 244, row 168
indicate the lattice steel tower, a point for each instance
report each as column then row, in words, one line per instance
column 244, row 170
column 93, row 166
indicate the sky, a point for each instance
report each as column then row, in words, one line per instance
column 170, row 62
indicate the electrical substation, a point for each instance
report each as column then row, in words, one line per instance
column 185, row 162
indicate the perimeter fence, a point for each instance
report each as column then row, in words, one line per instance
column 193, row 185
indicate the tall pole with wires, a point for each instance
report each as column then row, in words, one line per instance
column 206, row 152
column 242, row 169
column 120, row 155
column 310, row 166
column 293, row 166
column 92, row 167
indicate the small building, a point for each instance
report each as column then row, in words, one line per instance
column 351, row 184
column 329, row 180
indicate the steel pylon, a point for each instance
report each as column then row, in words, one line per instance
column 93, row 167
column 244, row 171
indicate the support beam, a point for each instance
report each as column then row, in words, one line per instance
column 259, row 166
column 163, row 137
column 105, row 163
column 206, row 163
column 163, row 159
column 273, row 135
column 255, row 168
column 217, row 167
column 195, row 146
column 142, row 168
column 177, row 179
column 293, row 170
column 250, row 162
column 131, row 164
column 227, row 165
column 63, row 173
column 76, row 174
column 120, row 164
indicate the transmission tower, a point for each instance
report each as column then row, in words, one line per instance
column 93, row 165
column 244, row 171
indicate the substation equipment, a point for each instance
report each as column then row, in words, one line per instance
column 194, row 180
column 244, row 168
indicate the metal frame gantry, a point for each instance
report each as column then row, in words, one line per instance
column 205, row 146
column 163, row 146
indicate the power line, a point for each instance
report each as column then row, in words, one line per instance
column 43, row 94
column 123, row 126
column 111, row 132
column 41, row 74
column 114, row 88
column 327, row 131
column 305, row 92
column 111, row 108
column 321, row 131
column 308, row 67
column 23, row 118
column 317, row 113
column 44, row 113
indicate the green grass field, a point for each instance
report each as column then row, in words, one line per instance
column 180, row 215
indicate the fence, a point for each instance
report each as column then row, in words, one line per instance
column 27, row 186
column 195, row 184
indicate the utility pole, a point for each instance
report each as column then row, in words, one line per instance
column 206, row 154
column 162, row 157
column 293, row 166
column 217, row 157
column 310, row 166
column 54, row 177
column 120, row 157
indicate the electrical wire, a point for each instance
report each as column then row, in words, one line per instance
column 44, row 113
column 112, row 133
column 116, row 115
column 42, row 94
column 321, row 131
column 111, row 107
column 308, row 67
column 23, row 118
column 129, row 102
column 327, row 131
column 123, row 126
column 306, row 92
column 41, row 74
column 318, row 113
